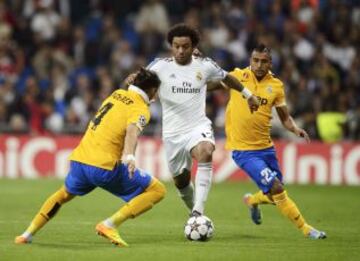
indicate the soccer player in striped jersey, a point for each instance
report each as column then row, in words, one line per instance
column 105, row 158
column 248, row 137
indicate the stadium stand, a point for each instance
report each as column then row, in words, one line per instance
column 59, row 59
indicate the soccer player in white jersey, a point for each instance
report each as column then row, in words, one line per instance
column 187, row 132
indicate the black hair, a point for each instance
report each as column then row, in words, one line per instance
column 146, row 79
column 262, row 48
column 180, row 30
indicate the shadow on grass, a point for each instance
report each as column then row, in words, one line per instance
column 74, row 245
column 179, row 240
column 237, row 238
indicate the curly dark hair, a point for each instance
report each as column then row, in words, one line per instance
column 146, row 79
column 180, row 30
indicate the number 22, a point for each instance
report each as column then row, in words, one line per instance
column 267, row 175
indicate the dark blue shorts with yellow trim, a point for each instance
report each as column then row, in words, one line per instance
column 261, row 165
column 83, row 178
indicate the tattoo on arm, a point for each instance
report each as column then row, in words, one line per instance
column 213, row 86
column 233, row 83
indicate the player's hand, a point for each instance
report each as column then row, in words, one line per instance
column 253, row 103
column 130, row 79
column 197, row 53
column 302, row 133
column 131, row 168
column 129, row 160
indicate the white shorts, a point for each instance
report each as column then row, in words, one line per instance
column 178, row 148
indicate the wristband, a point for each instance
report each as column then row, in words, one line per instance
column 129, row 157
column 246, row 93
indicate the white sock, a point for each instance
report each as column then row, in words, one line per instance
column 187, row 195
column 27, row 235
column 202, row 185
column 107, row 222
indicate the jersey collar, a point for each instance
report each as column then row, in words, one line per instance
column 141, row 92
column 269, row 74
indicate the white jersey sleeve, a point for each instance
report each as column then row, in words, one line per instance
column 157, row 64
column 213, row 70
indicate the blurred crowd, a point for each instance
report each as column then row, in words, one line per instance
column 60, row 58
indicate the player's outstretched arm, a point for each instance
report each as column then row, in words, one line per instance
column 289, row 123
column 235, row 84
column 213, row 86
column 131, row 137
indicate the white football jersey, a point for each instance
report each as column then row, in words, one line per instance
column 182, row 92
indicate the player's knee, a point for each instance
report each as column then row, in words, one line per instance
column 203, row 151
column 65, row 196
column 156, row 191
column 206, row 152
column 160, row 191
column 277, row 187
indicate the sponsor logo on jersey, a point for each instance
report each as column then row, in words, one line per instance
column 173, row 76
column 262, row 101
column 185, row 88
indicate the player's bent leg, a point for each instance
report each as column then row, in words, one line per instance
column 154, row 193
column 255, row 212
column 202, row 152
column 255, row 166
column 185, row 188
column 48, row 210
column 141, row 203
column 289, row 209
column 253, row 201
column 259, row 198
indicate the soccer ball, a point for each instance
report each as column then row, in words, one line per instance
column 199, row 228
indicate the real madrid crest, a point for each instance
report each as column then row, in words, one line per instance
column 199, row 76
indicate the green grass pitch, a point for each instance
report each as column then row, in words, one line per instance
column 158, row 234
